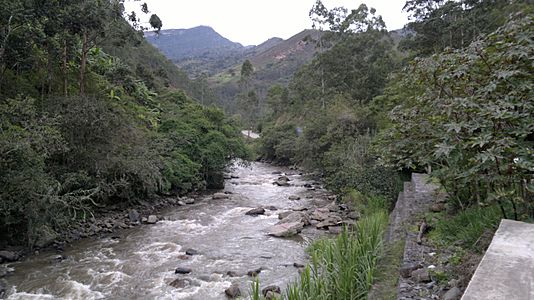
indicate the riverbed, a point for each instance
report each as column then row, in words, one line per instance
column 140, row 263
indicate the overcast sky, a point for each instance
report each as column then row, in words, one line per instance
column 251, row 22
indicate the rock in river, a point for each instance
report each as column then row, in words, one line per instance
column 271, row 288
column 286, row 229
column 255, row 211
column 282, row 181
column 219, row 196
column 233, row 291
column 180, row 283
column 191, row 252
column 181, row 270
column 152, row 219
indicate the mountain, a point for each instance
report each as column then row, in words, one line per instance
column 197, row 50
column 274, row 61
column 202, row 51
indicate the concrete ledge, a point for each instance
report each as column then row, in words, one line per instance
column 507, row 269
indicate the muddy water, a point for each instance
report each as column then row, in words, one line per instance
column 139, row 263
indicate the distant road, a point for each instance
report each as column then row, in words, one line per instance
column 250, row 134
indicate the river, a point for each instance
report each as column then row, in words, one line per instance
column 139, row 263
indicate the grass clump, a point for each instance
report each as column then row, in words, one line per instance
column 466, row 227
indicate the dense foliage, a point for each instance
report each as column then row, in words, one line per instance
column 469, row 115
column 90, row 116
column 323, row 120
column 462, row 104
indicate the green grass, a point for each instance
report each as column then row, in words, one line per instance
column 465, row 228
column 343, row 267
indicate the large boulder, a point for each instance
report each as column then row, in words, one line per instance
column 256, row 211
column 286, row 229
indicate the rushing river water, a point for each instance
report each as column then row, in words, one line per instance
column 139, row 263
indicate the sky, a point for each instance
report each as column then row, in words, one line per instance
column 251, row 22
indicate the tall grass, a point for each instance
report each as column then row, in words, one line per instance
column 342, row 268
column 467, row 226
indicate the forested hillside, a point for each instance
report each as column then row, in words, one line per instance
column 92, row 115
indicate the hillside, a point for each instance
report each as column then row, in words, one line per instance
column 197, row 50
column 93, row 117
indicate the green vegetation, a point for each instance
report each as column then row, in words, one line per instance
column 468, row 114
column 466, row 228
column 343, row 267
column 90, row 117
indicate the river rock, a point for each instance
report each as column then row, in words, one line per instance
column 295, row 216
column 152, row 219
column 233, row 291
column 181, row 270
column 191, row 252
column 335, row 229
column 320, row 214
column 331, row 220
column 133, row 216
column 220, row 196
column 354, row 215
column 181, row 203
column 232, row 274
column 282, row 181
column 452, row 294
column 189, row 200
column 286, row 229
column 180, row 283
column 144, row 219
column 294, row 198
column 298, row 265
column 299, row 208
column 256, row 211
column 284, row 214
column 271, row 288
column 9, row 255
column 254, row 273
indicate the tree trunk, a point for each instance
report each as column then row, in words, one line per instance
column 83, row 64
column 65, row 79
